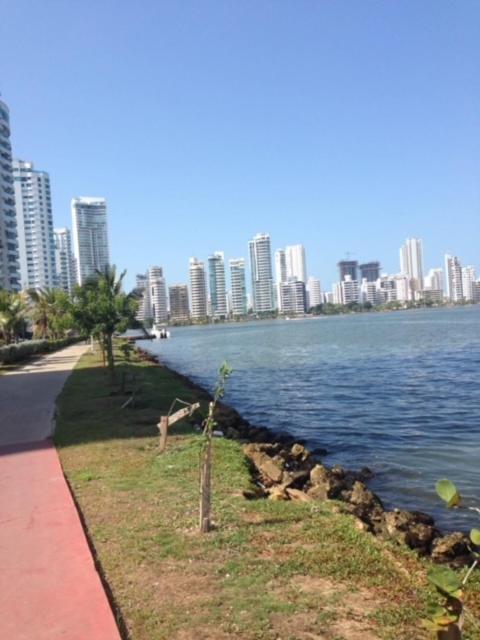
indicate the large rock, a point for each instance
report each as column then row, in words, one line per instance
column 324, row 484
column 453, row 549
column 413, row 528
column 365, row 505
column 296, row 494
column 270, row 468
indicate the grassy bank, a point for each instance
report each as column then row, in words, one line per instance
column 269, row 570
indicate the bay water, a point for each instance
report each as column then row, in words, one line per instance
column 398, row 392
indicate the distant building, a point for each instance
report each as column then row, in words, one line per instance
column 370, row 271
column 368, row 292
column 386, row 289
column 179, row 307
column 9, row 258
column 142, row 291
column 453, row 278
column 347, row 268
column 90, row 237
column 476, row 291
column 469, row 278
column 296, row 263
column 293, row 297
column 403, row 288
column 261, row 271
column 238, row 290
column 349, row 290
column 411, row 263
column 157, row 292
column 314, row 293
column 64, row 260
column 198, row 290
column 280, row 274
column 36, row 243
column 218, row 290
column 434, row 280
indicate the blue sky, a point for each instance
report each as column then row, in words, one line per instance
column 346, row 126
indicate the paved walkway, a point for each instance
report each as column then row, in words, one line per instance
column 49, row 587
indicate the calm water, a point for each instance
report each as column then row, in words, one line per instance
column 398, row 392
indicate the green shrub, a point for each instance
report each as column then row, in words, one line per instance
column 20, row 351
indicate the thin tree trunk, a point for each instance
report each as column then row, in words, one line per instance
column 110, row 357
column 206, row 476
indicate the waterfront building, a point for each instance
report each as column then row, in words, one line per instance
column 476, row 291
column 434, row 280
column 347, row 268
column 218, row 290
column 329, row 297
column 9, row 258
column 411, row 263
column 142, row 291
column 179, row 306
column 314, row 293
column 369, row 271
column 157, row 292
column 64, row 260
column 368, row 292
column 403, row 288
column 453, row 278
column 293, row 296
column 90, row 237
column 36, row 243
column 280, row 275
column 198, row 290
column 349, row 290
column 238, row 292
column 296, row 263
column 337, row 293
column 386, row 290
column 261, row 271
column 469, row 278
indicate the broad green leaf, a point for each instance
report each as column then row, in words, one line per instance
column 445, row 580
column 475, row 536
column 448, row 492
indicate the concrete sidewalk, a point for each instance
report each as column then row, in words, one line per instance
column 49, row 587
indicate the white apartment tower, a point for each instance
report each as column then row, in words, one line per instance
column 64, row 261
column 296, row 263
column 314, row 293
column 9, row 261
column 238, row 290
column 179, row 307
column 157, row 292
column 434, row 280
column 469, row 278
column 198, row 290
column 261, row 271
column 411, row 262
column 90, row 237
column 218, row 290
column 453, row 278
column 280, row 274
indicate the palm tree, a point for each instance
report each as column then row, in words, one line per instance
column 12, row 315
column 51, row 312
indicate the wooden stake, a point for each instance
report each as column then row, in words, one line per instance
column 167, row 421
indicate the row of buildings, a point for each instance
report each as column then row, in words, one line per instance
column 33, row 254
column 282, row 284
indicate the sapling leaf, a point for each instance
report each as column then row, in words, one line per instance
column 448, row 492
column 475, row 536
column 445, row 580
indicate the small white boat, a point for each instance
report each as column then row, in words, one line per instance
column 160, row 333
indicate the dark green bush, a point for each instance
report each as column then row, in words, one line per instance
column 20, row 351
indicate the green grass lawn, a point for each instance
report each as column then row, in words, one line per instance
column 270, row 570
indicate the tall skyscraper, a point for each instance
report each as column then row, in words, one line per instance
column 142, row 291
column 198, row 290
column 370, row 271
column 157, row 291
column 90, row 237
column 434, row 280
column 218, row 290
column 350, row 290
column 469, row 278
column 36, row 244
column 179, row 307
column 261, row 271
column 296, row 262
column 411, row 262
column 9, row 260
column 64, row 260
column 293, row 297
column 314, row 293
column 347, row 268
column 280, row 266
column 453, row 278
column 239, row 290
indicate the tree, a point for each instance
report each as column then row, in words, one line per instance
column 101, row 308
column 51, row 312
column 13, row 310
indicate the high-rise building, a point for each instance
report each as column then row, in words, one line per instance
column 368, row 292
column 36, row 243
column 347, row 268
column 9, row 260
column 350, row 290
column 314, row 293
column 403, row 288
column 453, row 278
column 280, row 266
column 64, row 261
column 434, row 280
column 370, row 271
column 238, row 290
column 293, row 297
column 296, row 263
column 90, row 237
column 411, row 263
column 179, row 307
column 261, row 270
column 142, row 292
column 218, row 290
column 469, row 278
column 198, row 289
column 157, row 291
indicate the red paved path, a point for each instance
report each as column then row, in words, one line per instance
column 49, row 587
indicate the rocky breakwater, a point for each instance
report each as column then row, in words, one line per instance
column 290, row 472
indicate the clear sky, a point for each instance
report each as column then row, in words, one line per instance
column 346, row 126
